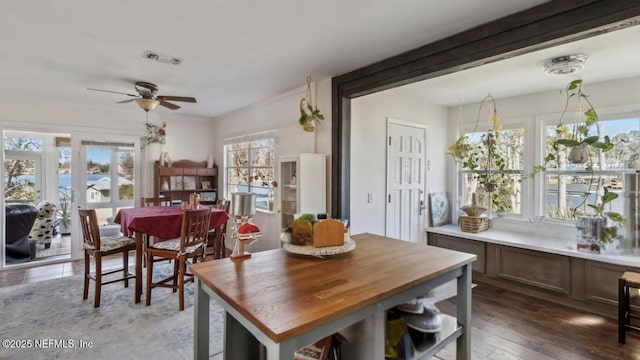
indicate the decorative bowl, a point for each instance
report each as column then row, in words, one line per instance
column 473, row 210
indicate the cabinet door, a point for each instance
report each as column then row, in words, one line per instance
column 289, row 193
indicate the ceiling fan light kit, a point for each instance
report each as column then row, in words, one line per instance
column 565, row 65
column 147, row 104
column 147, row 98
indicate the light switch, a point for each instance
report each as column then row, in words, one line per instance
column 369, row 198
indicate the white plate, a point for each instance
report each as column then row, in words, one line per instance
column 321, row 252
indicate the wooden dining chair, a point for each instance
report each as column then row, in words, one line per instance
column 99, row 247
column 216, row 247
column 156, row 201
column 190, row 245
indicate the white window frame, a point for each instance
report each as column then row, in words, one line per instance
column 542, row 122
column 269, row 135
column 508, row 124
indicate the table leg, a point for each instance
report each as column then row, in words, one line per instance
column 239, row 343
column 218, row 240
column 139, row 255
column 200, row 322
column 463, row 300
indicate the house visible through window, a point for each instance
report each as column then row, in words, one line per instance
column 249, row 167
column 573, row 182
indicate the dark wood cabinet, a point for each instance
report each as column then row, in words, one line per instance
column 573, row 281
column 184, row 177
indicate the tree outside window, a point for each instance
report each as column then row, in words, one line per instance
column 250, row 168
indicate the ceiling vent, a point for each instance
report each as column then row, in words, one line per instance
column 152, row 55
column 565, row 65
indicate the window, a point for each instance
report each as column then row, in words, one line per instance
column 22, row 168
column 508, row 199
column 250, row 168
column 576, row 180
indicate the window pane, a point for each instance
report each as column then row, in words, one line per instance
column 262, row 156
column 507, row 199
column 510, row 157
column 509, row 146
column 19, row 181
column 566, row 194
column 624, row 134
column 238, row 157
column 126, row 175
column 23, row 143
column 250, row 168
column 98, row 175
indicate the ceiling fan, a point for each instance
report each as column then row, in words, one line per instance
column 148, row 97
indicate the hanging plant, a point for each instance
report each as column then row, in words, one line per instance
column 581, row 147
column 153, row 134
column 484, row 159
column 309, row 117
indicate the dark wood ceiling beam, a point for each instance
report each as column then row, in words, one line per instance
column 490, row 42
column 546, row 25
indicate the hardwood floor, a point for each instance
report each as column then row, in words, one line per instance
column 55, row 271
column 508, row 325
column 505, row 324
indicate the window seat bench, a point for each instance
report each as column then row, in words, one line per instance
column 541, row 264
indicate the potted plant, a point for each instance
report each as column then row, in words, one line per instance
column 63, row 214
column 485, row 160
column 579, row 145
column 309, row 117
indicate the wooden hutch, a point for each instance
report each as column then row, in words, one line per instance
column 184, row 177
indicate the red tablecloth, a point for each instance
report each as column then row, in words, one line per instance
column 163, row 222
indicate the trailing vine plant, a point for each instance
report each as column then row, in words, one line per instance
column 579, row 137
column 484, row 160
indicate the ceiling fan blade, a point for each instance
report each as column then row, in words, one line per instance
column 115, row 92
column 176, row 98
column 125, row 101
column 169, row 105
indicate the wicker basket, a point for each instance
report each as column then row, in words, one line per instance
column 473, row 210
column 474, row 224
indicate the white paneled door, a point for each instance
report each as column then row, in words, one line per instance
column 406, row 180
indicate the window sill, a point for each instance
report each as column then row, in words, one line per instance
column 529, row 237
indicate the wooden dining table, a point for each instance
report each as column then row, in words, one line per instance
column 163, row 222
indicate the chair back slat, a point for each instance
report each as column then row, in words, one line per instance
column 224, row 205
column 90, row 229
column 195, row 227
column 156, row 201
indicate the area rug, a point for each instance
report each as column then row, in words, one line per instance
column 53, row 314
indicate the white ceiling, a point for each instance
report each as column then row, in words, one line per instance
column 611, row 56
column 236, row 52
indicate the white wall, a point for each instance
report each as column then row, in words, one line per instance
column 188, row 137
column 368, row 151
column 279, row 114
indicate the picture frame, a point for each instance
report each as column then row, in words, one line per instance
column 176, row 183
column 206, row 185
column 440, row 209
column 208, row 196
column 189, row 182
